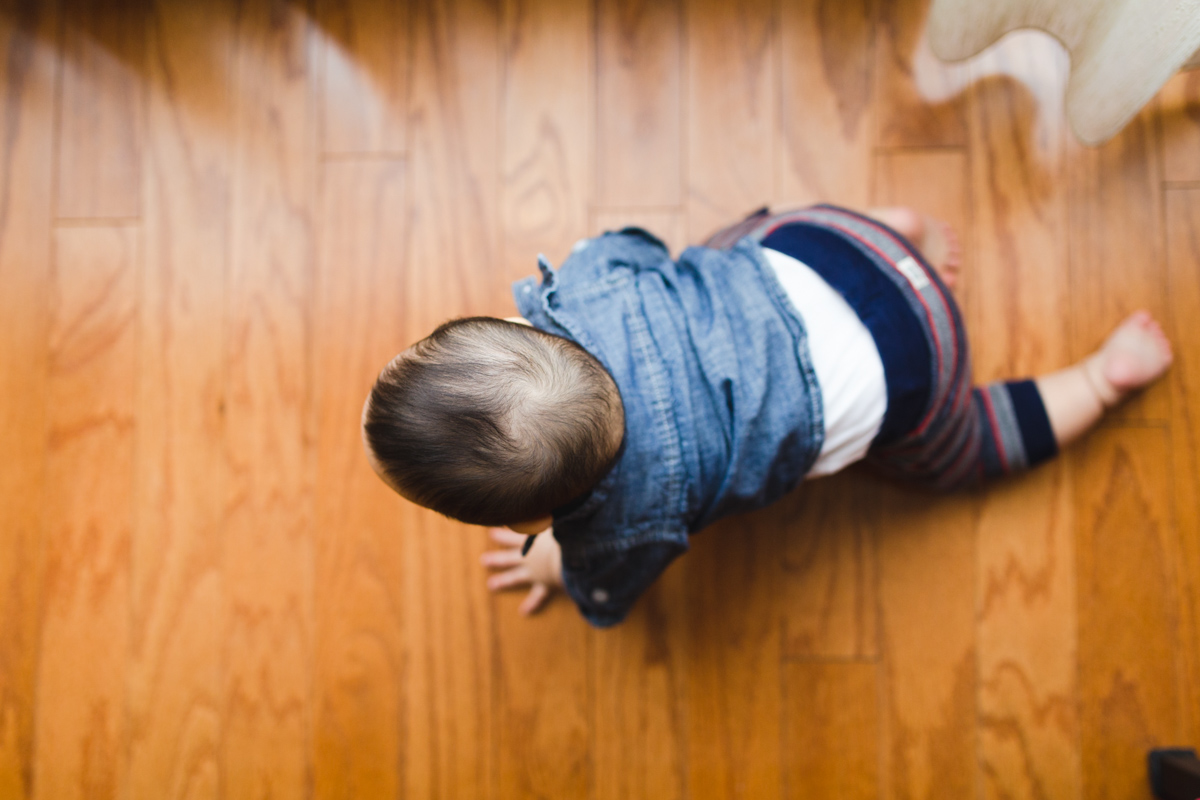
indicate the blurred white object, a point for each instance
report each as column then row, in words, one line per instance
column 1122, row 51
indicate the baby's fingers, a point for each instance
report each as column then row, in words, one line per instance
column 535, row 599
column 499, row 559
column 506, row 537
column 517, row 576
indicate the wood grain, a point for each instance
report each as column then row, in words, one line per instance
column 732, row 86
column 1017, row 274
column 829, row 569
column 831, row 738
column 362, row 649
column 542, row 691
column 177, row 590
column 927, row 556
column 1183, row 275
column 639, row 103
column 28, row 71
column 453, row 250
column 1179, row 126
column 364, row 51
column 1116, row 234
column 100, row 110
column 1017, row 277
column 639, row 706
column 1130, row 592
column 826, row 115
column 920, row 99
column 81, row 720
column 268, row 436
column 734, row 707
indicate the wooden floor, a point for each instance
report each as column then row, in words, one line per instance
column 219, row 219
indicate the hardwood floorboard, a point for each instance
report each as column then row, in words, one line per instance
column 640, row 713
column 1129, row 608
column 454, row 115
column 362, row 649
column 927, row 556
column 639, row 103
column 1017, row 277
column 826, row 117
column 81, row 725
column 906, row 69
column 733, row 575
column 178, row 600
column 829, row 569
column 1115, row 229
column 1183, row 275
column 732, row 102
column 1179, row 125
column 831, row 736
column 268, row 660
column 28, row 75
column 364, row 48
column 543, row 676
column 100, row 109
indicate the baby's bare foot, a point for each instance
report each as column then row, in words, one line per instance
column 1136, row 354
column 936, row 240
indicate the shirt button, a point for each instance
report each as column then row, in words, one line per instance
column 599, row 596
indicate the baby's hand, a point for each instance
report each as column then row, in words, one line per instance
column 540, row 570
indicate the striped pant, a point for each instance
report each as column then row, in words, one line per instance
column 939, row 430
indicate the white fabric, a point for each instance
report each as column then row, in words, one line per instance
column 844, row 356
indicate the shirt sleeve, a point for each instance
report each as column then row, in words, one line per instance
column 605, row 585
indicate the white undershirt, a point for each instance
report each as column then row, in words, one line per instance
column 846, row 360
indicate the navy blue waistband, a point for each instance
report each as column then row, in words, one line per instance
column 901, row 341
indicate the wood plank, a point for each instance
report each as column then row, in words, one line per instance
column 1130, row 598
column 1028, row 692
column 267, row 555
column 28, row 70
column 921, row 100
column 453, row 247
column 732, row 108
column 734, row 705
column 82, row 724
column 669, row 224
column 1115, row 239
column 927, row 558
column 829, row 568
column 639, row 97
column 178, row 602
column 639, row 708
column 364, row 50
column 361, row 649
column 1179, row 126
column 542, row 680
column 1017, row 259
column 547, row 130
column 827, row 115
column 831, row 737
column 1183, row 274
column 100, row 110
column 1018, row 278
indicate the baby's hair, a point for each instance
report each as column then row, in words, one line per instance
column 493, row 422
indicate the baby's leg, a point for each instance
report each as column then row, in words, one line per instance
column 936, row 240
column 1135, row 355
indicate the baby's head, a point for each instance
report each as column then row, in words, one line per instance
column 493, row 422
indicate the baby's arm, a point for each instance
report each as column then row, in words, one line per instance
column 540, row 569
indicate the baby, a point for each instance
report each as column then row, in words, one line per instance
column 640, row 399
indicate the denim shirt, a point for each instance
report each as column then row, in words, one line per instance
column 722, row 409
